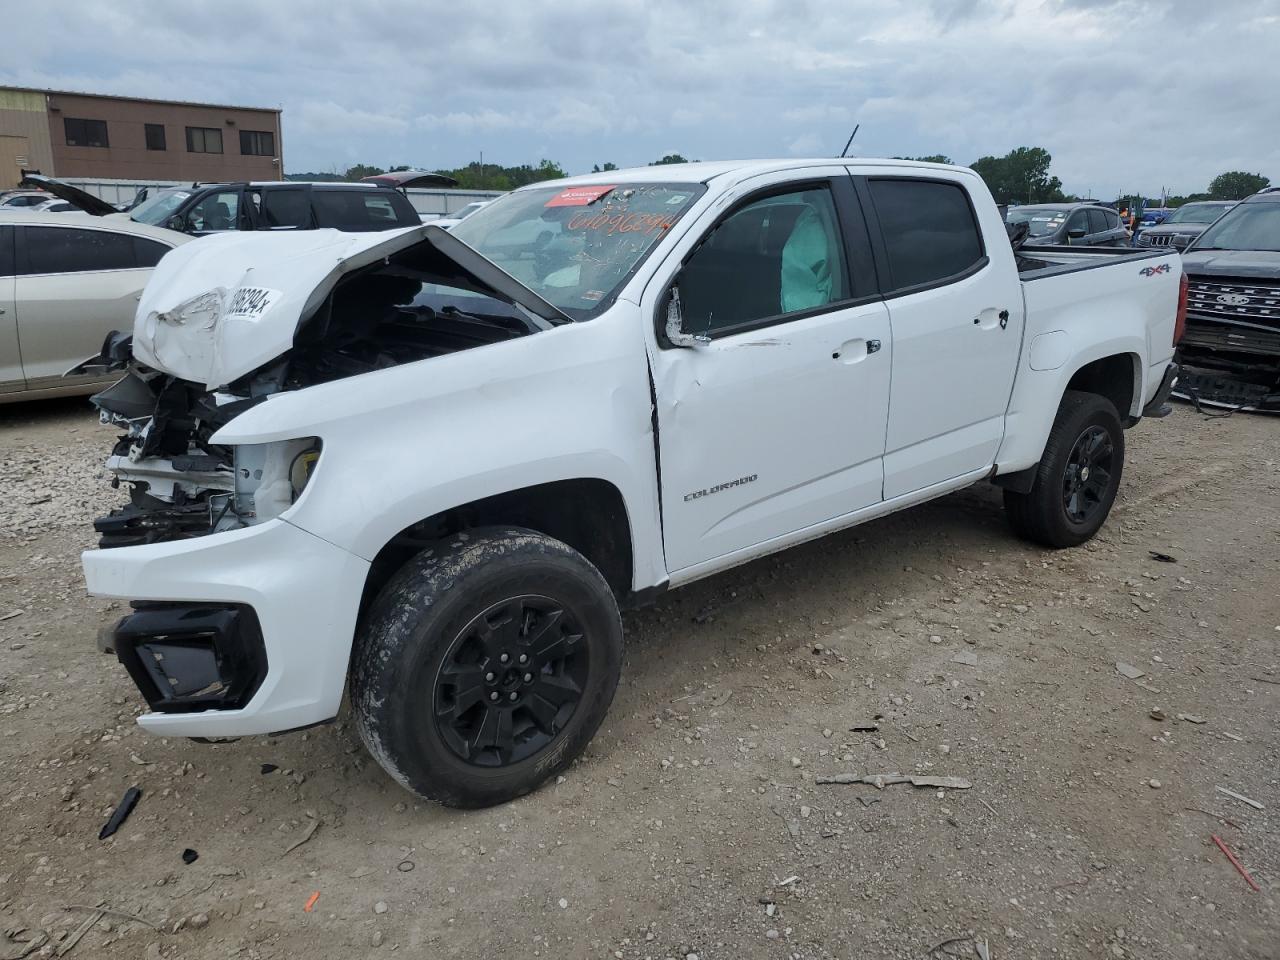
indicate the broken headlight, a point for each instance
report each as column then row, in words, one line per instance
column 202, row 311
column 269, row 477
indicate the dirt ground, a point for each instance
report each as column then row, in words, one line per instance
column 694, row 825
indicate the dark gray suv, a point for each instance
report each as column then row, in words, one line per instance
column 1183, row 225
column 1078, row 224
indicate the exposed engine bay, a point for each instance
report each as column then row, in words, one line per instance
column 400, row 309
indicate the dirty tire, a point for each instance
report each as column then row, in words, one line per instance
column 1043, row 515
column 435, row 620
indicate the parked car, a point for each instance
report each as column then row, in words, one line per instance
column 23, row 199
column 453, row 219
column 1184, row 224
column 1153, row 216
column 50, row 205
column 285, row 205
column 1078, row 224
column 1231, row 350
column 66, row 281
column 438, row 463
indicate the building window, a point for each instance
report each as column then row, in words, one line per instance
column 155, row 136
column 257, row 143
column 204, row 140
column 85, row 133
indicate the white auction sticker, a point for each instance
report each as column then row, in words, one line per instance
column 251, row 302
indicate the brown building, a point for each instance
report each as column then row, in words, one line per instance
column 75, row 135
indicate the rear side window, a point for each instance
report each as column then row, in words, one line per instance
column 147, row 253
column 1098, row 222
column 930, row 233
column 363, row 210
column 65, row 250
column 286, row 208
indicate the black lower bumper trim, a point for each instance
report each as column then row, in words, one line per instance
column 190, row 657
column 1159, row 405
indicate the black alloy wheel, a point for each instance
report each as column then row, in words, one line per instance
column 511, row 681
column 1087, row 476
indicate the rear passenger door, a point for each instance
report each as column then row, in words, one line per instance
column 956, row 315
column 11, row 377
column 1100, row 228
column 74, row 286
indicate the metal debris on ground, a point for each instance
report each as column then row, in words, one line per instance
column 865, row 728
column 882, row 780
column 1162, row 557
column 1241, row 797
column 1235, row 863
column 121, row 813
column 115, row 914
column 311, row 829
column 73, row 938
column 189, row 856
column 1128, row 671
column 270, row 768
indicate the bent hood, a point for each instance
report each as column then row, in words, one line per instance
column 225, row 305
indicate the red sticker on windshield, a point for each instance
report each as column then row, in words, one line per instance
column 578, row 196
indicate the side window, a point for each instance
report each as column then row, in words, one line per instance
column 1098, row 222
column 929, row 230
column 1078, row 221
column 775, row 256
column 285, row 209
column 357, row 210
column 147, row 253
column 64, row 250
column 6, row 252
column 217, row 211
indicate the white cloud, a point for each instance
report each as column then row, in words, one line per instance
column 1126, row 94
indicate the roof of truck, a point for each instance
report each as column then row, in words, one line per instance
column 705, row 171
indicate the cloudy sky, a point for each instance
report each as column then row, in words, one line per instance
column 1126, row 94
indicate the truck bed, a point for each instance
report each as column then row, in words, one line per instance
column 1037, row 262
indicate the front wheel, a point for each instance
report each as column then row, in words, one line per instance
column 1078, row 477
column 486, row 666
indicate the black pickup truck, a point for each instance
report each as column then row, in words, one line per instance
column 1230, row 352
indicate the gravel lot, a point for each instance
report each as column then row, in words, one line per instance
column 694, row 825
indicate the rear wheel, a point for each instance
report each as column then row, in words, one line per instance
column 1078, row 477
column 486, row 666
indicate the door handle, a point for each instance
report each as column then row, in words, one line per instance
column 852, row 351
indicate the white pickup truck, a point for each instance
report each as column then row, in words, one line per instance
column 432, row 465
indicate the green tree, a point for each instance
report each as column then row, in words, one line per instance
column 597, row 168
column 491, row 176
column 669, row 158
column 1236, row 185
column 361, row 170
column 1020, row 176
column 932, row 158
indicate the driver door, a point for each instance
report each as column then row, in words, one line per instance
column 777, row 421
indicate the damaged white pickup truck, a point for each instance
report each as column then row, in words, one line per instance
column 432, row 465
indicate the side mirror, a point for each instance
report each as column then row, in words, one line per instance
column 1075, row 234
column 178, row 223
column 675, row 324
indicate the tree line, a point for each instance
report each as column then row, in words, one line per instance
column 1020, row 176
